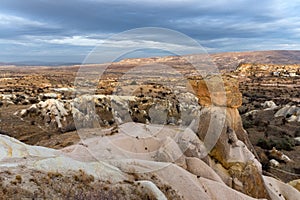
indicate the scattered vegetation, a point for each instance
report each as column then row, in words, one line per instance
column 282, row 144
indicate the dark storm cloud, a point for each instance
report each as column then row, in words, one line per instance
column 219, row 25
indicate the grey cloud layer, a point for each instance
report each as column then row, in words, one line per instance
column 219, row 25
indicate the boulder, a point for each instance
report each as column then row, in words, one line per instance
column 297, row 140
column 278, row 155
column 274, row 163
column 291, row 113
column 269, row 105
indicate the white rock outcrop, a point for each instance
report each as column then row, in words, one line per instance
column 291, row 113
column 157, row 150
column 269, row 105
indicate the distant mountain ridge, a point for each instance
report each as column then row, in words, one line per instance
column 38, row 63
column 225, row 61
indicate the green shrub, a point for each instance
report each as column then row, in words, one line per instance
column 133, row 82
column 264, row 144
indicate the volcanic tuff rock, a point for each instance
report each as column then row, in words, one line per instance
column 206, row 152
column 295, row 184
column 107, row 110
column 124, row 162
column 217, row 90
column 221, row 97
column 232, row 154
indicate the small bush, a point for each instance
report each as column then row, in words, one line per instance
column 263, row 144
column 133, row 83
column 285, row 144
column 83, row 177
column 247, row 124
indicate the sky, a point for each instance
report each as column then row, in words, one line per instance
column 68, row 30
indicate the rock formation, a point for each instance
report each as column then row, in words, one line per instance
column 126, row 152
column 244, row 171
column 28, row 167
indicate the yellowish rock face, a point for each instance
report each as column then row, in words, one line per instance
column 295, row 184
column 219, row 91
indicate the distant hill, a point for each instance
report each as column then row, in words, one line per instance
column 231, row 60
column 225, row 61
column 37, row 63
